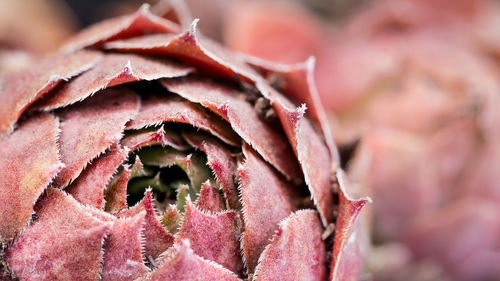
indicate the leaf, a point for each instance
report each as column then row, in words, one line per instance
column 35, row 256
column 296, row 81
column 347, row 262
column 91, row 127
column 221, row 162
column 157, row 238
column 156, row 110
column 138, row 23
column 24, row 88
column 180, row 263
column 191, row 48
column 115, row 195
column 28, row 161
column 171, row 219
column 112, row 70
column 226, row 102
column 123, row 258
column 266, row 201
column 312, row 152
column 89, row 187
column 210, row 199
column 214, row 236
column 146, row 137
column 296, row 251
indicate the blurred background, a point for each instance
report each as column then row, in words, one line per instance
column 412, row 90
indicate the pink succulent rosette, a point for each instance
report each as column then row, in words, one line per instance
column 144, row 151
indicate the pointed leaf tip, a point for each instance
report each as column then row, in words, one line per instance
column 348, row 253
column 156, row 236
column 214, row 237
column 123, row 258
column 139, row 23
column 181, row 263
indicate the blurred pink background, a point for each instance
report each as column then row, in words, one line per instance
column 412, row 89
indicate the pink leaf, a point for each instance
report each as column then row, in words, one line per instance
column 214, row 237
column 90, row 127
column 210, row 199
column 157, row 238
column 123, row 251
column 28, row 161
column 181, row 263
column 220, row 161
column 296, row 251
column 46, row 249
column 261, row 214
column 347, row 262
column 190, row 47
column 138, row 23
column 155, row 110
column 112, row 70
column 24, row 88
column 135, row 140
column 312, row 152
column 115, row 194
column 297, row 82
column 264, row 138
column 89, row 187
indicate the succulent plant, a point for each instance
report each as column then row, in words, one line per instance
column 143, row 150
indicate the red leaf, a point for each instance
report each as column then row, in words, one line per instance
column 172, row 109
column 138, row 23
column 297, row 82
column 140, row 139
column 229, row 104
column 311, row 151
column 190, row 47
column 214, row 237
column 220, row 161
column 261, row 214
column 122, row 258
column 296, row 251
column 46, row 249
column 210, row 199
column 28, row 161
column 180, row 263
column 157, row 238
column 347, row 262
column 112, row 70
column 90, row 127
column 89, row 187
column 115, row 194
column 24, row 88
